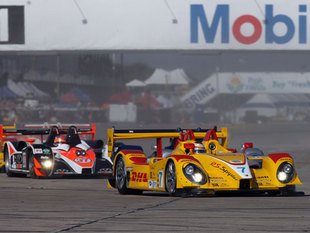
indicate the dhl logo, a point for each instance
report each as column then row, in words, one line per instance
column 138, row 177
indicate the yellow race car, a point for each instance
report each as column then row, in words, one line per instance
column 3, row 138
column 196, row 162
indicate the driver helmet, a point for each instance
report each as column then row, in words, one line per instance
column 199, row 148
column 59, row 140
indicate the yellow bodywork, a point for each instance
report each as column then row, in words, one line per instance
column 3, row 138
column 225, row 170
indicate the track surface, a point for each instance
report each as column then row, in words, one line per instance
column 86, row 205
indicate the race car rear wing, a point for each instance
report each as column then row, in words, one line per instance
column 83, row 129
column 11, row 132
column 4, row 136
column 115, row 135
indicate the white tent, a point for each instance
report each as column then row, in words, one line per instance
column 24, row 89
column 262, row 104
column 179, row 77
column 265, row 100
column 135, row 83
column 163, row 77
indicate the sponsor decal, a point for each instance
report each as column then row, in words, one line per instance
column 152, row 184
column 223, row 169
column 138, row 177
column 44, row 157
column 46, row 151
column 105, row 171
column 201, row 21
column 63, row 171
column 82, row 160
column 38, row 151
column 217, row 181
column 12, row 25
column 160, row 179
column 235, row 161
column 264, row 179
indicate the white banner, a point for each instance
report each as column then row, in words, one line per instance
column 247, row 83
column 202, row 93
column 52, row 25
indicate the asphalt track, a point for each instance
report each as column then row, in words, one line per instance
column 86, row 205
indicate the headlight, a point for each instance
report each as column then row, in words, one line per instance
column 47, row 164
column 189, row 170
column 285, row 173
column 198, row 177
column 80, row 152
column 194, row 174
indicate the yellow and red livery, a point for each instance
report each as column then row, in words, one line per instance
column 194, row 162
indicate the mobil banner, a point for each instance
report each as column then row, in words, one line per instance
column 57, row 25
column 247, row 83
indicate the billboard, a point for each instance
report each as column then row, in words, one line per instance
column 202, row 93
column 247, row 83
column 253, row 83
column 53, row 25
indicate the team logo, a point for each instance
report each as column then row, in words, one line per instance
column 138, row 177
column 235, row 85
column 46, row 151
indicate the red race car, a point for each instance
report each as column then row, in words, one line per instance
column 57, row 150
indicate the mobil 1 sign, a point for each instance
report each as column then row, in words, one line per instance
column 154, row 25
column 257, row 24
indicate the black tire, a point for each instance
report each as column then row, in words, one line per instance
column 31, row 166
column 121, row 178
column 171, row 179
column 8, row 171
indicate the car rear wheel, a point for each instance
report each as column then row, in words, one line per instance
column 171, row 179
column 121, row 178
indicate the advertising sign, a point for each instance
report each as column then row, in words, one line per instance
column 57, row 25
column 247, row 83
column 202, row 93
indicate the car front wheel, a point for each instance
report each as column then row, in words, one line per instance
column 32, row 171
column 171, row 179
